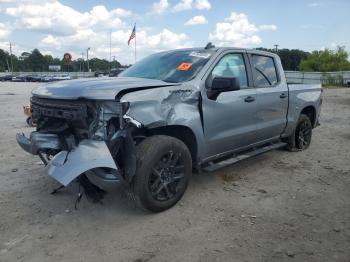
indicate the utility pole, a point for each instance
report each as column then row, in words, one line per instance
column 11, row 58
column 110, row 49
column 87, row 58
column 276, row 48
column 112, row 63
column 135, row 43
column 7, row 62
column 82, row 62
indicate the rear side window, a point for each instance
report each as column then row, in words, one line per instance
column 265, row 73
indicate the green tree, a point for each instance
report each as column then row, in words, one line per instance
column 291, row 58
column 4, row 60
column 326, row 61
column 36, row 61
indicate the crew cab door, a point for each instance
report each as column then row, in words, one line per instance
column 229, row 120
column 272, row 96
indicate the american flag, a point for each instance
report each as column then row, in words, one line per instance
column 133, row 34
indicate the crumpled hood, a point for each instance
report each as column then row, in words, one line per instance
column 95, row 88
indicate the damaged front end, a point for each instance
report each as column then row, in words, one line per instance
column 83, row 137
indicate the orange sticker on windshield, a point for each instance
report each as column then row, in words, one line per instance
column 184, row 66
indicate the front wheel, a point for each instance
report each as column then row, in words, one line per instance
column 164, row 167
column 29, row 121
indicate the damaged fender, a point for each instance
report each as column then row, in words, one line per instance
column 167, row 106
column 89, row 154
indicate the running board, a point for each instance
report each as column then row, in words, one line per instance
column 215, row 166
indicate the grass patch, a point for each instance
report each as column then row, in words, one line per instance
column 228, row 177
column 333, row 87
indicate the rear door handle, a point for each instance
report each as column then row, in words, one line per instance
column 283, row 95
column 249, row 99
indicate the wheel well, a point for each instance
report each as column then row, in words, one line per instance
column 311, row 113
column 182, row 133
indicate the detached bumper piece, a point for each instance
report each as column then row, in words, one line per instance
column 38, row 142
column 91, row 157
column 89, row 154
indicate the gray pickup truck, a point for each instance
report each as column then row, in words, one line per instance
column 170, row 114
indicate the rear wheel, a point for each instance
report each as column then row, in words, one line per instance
column 164, row 168
column 301, row 138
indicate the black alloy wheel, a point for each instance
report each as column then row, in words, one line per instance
column 164, row 167
column 303, row 133
column 167, row 177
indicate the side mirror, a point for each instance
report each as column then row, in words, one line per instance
column 222, row 84
column 225, row 84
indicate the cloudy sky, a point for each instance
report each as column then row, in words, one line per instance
column 58, row 26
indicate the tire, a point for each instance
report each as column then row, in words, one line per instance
column 29, row 121
column 301, row 137
column 164, row 167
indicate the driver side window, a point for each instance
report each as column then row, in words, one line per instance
column 231, row 65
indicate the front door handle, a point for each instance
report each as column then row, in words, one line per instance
column 249, row 99
column 283, row 95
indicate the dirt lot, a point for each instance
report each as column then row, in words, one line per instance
column 280, row 206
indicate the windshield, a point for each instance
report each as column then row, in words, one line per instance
column 174, row 66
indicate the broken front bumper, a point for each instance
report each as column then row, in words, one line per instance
column 38, row 142
column 90, row 156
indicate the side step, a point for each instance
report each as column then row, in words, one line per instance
column 215, row 166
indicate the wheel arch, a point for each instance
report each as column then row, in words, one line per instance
column 183, row 133
column 310, row 111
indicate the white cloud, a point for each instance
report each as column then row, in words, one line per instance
column 65, row 29
column 197, row 20
column 202, row 5
column 54, row 17
column 184, row 5
column 238, row 31
column 25, row 1
column 334, row 45
column 268, row 27
column 51, row 41
column 120, row 12
column 160, row 7
column 46, row 52
column 99, row 43
column 148, row 43
column 4, row 45
column 16, row 49
column 315, row 4
column 5, row 31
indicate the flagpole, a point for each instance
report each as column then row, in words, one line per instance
column 135, row 43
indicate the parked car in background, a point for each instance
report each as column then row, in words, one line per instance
column 61, row 77
column 6, row 78
column 115, row 72
column 46, row 78
column 20, row 78
column 34, row 78
column 100, row 73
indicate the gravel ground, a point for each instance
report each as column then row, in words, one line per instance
column 280, row 206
